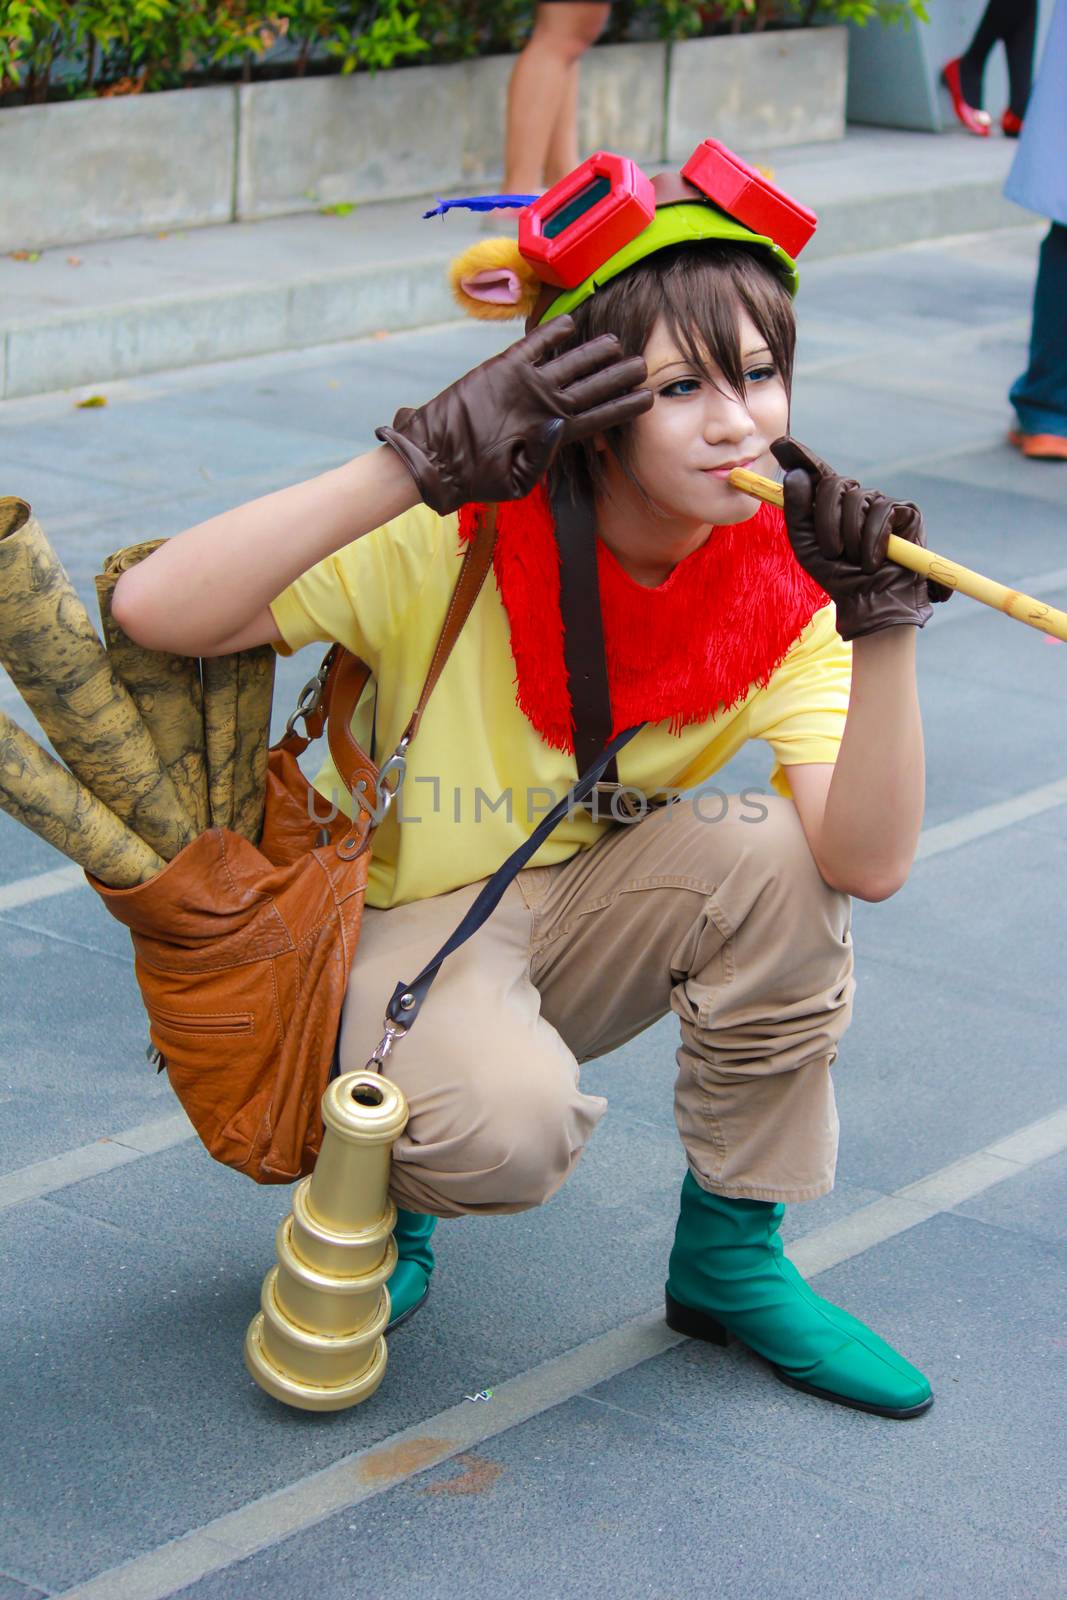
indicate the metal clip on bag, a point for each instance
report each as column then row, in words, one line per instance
column 242, row 952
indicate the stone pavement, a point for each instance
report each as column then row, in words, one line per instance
column 612, row 1458
column 92, row 313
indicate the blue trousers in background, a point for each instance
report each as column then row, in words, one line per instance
column 1040, row 395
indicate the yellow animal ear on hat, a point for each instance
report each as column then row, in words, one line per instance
column 492, row 281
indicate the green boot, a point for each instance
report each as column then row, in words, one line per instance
column 728, row 1275
column 410, row 1282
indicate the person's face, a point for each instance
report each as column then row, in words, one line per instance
column 684, row 447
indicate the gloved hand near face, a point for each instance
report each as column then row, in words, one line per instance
column 493, row 434
column 840, row 531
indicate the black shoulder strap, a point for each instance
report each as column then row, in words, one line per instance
column 591, row 701
column 407, row 998
column 583, row 627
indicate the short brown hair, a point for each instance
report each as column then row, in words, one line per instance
column 699, row 290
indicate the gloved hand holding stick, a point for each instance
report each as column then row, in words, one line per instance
column 936, row 568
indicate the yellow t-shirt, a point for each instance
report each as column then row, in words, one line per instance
column 479, row 777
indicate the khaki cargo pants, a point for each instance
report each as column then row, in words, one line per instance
column 726, row 923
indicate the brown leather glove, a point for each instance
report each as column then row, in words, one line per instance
column 493, row 434
column 839, row 533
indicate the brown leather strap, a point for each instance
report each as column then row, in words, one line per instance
column 344, row 688
column 344, row 676
column 476, row 564
column 335, row 691
column 583, row 628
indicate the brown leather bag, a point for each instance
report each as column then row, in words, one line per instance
column 242, row 952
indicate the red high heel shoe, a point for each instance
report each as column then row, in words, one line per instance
column 974, row 121
column 1011, row 124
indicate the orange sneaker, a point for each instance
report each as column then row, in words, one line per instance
column 1040, row 446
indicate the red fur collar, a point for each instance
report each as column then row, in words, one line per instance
column 721, row 623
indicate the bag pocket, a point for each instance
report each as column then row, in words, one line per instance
column 221, row 1022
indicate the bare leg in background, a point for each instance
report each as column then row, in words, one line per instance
column 542, row 114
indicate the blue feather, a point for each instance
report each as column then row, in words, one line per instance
column 483, row 202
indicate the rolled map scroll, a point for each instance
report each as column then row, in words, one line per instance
column 51, row 650
column 43, row 796
column 255, row 694
column 166, row 691
column 220, row 734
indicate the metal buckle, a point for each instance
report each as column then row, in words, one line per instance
column 386, row 792
column 628, row 805
column 398, row 764
column 381, row 1053
column 310, row 697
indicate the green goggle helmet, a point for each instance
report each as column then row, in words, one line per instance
column 607, row 215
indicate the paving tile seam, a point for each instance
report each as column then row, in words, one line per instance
column 33, row 1590
column 29, row 409
column 938, row 1193
column 181, row 299
column 42, row 1178
column 994, row 818
column 141, row 317
column 963, row 338
column 933, row 841
column 953, row 243
column 679, row 1430
column 1014, row 996
column 840, row 239
column 982, row 440
column 9, row 921
column 852, row 1493
column 958, row 679
column 365, row 1474
column 41, row 886
column 249, row 485
column 86, row 1219
column 73, row 1166
column 833, row 213
column 201, row 482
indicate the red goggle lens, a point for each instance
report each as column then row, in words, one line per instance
column 749, row 197
column 576, row 225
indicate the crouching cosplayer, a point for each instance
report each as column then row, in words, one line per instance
column 635, row 588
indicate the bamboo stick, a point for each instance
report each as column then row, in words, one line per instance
column 1023, row 607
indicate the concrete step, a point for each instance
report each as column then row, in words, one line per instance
column 83, row 315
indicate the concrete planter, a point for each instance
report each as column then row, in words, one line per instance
column 97, row 169
column 423, row 130
column 101, row 169
column 757, row 90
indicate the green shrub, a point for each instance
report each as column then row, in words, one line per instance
column 68, row 48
